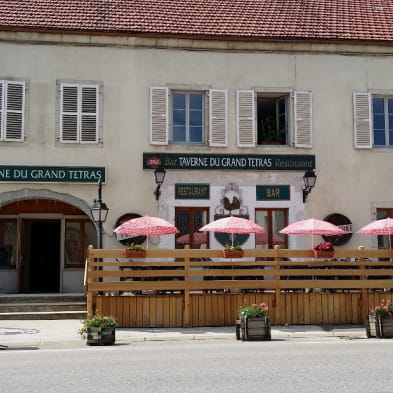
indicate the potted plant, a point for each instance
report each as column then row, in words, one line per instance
column 379, row 321
column 323, row 250
column 233, row 251
column 98, row 329
column 253, row 324
column 135, row 251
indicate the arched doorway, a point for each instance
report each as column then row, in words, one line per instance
column 43, row 245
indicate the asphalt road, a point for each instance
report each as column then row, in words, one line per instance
column 214, row 366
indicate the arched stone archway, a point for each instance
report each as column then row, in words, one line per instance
column 26, row 194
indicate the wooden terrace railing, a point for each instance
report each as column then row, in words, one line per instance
column 187, row 287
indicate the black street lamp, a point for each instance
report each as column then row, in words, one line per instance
column 159, row 174
column 309, row 179
column 99, row 212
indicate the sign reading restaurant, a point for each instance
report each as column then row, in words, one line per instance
column 51, row 174
column 256, row 162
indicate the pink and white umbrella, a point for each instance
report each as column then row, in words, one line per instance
column 233, row 225
column 312, row 226
column 146, row 226
column 379, row 227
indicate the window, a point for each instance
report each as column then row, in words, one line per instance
column 8, row 243
column 79, row 107
column 188, row 118
column 272, row 120
column 373, row 120
column 383, row 121
column 384, row 241
column 192, row 117
column 12, row 109
column 79, row 234
column 272, row 220
column 264, row 119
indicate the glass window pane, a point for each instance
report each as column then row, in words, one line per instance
column 195, row 118
column 179, row 134
column 196, row 135
column 179, row 101
column 8, row 242
column 390, row 105
column 196, row 101
column 379, row 137
column 72, row 243
column 379, row 122
column 378, row 105
column 390, row 137
column 179, row 118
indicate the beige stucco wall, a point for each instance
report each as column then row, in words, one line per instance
column 350, row 181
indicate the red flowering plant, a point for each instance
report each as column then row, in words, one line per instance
column 253, row 311
column 97, row 320
column 327, row 246
column 382, row 310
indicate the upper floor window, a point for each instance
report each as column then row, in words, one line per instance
column 263, row 118
column 12, row 110
column 272, row 119
column 188, row 118
column 79, row 110
column 383, row 121
column 192, row 118
column 373, row 120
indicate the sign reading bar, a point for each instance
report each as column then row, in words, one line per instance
column 253, row 162
column 192, row 191
column 51, row 174
column 273, row 193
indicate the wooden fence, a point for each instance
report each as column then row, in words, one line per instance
column 185, row 288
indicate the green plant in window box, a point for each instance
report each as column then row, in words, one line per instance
column 233, row 251
column 135, row 251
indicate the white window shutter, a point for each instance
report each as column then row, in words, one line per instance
column 89, row 114
column 2, row 83
column 69, row 113
column 245, row 100
column 362, row 120
column 303, row 119
column 14, row 111
column 159, row 134
column 218, row 118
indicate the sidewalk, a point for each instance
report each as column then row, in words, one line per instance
column 43, row 332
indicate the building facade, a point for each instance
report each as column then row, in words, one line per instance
column 235, row 118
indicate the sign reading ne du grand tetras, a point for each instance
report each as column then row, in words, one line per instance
column 51, row 174
column 256, row 162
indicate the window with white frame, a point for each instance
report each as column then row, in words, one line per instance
column 373, row 120
column 79, row 113
column 12, row 110
column 265, row 118
column 188, row 117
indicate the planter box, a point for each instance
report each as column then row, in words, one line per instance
column 233, row 254
column 253, row 329
column 100, row 336
column 323, row 254
column 379, row 327
column 372, row 327
column 134, row 254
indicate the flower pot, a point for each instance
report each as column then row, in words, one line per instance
column 134, row 254
column 253, row 329
column 372, row 327
column 323, row 254
column 233, row 253
column 385, row 326
column 100, row 335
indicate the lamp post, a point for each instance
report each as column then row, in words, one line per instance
column 159, row 174
column 99, row 212
column 309, row 179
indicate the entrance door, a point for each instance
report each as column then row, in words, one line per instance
column 41, row 256
column 273, row 220
column 188, row 220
